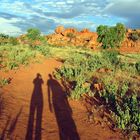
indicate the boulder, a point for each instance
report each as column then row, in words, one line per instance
column 85, row 31
column 59, row 29
column 69, row 30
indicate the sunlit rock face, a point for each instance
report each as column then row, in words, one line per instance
column 131, row 44
column 73, row 37
column 85, row 38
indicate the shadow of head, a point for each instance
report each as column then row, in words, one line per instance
column 50, row 76
column 38, row 75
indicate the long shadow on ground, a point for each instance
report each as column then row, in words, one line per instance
column 59, row 104
column 36, row 109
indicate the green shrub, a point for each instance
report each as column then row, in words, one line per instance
column 13, row 41
column 44, row 50
column 80, row 89
column 110, row 90
column 12, row 65
column 111, row 37
column 3, row 82
column 32, row 35
column 128, row 114
column 4, row 39
column 128, row 67
column 14, row 56
column 3, row 35
column 111, row 55
column 125, row 108
column 80, row 68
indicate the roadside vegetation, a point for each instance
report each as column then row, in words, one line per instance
column 117, row 85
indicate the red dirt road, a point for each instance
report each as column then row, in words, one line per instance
column 36, row 108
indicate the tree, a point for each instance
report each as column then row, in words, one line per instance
column 33, row 34
column 111, row 37
column 120, row 32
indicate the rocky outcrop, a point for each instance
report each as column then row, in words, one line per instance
column 68, row 31
column 73, row 37
column 129, row 45
column 85, row 38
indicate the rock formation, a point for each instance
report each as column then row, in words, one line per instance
column 85, row 38
column 73, row 37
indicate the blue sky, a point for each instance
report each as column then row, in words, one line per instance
column 16, row 16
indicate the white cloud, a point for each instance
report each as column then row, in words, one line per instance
column 10, row 29
column 46, row 15
column 127, row 9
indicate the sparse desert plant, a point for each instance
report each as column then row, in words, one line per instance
column 3, row 82
column 4, row 39
column 14, row 56
column 12, row 65
column 111, row 55
column 13, row 41
column 44, row 50
column 128, row 67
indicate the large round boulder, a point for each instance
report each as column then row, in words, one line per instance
column 59, row 29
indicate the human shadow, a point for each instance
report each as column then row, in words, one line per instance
column 58, row 104
column 36, row 109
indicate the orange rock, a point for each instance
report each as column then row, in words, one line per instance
column 88, row 39
column 69, row 30
column 85, row 31
column 59, row 29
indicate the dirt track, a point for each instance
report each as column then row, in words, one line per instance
column 36, row 108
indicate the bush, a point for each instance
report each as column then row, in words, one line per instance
column 44, row 50
column 79, row 69
column 33, row 34
column 111, row 55
column 4, row 39
column 14, row 56
column 128, row 114
column 3, row 82
column 111, row 37
column 124, row 108
column 13, row 41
